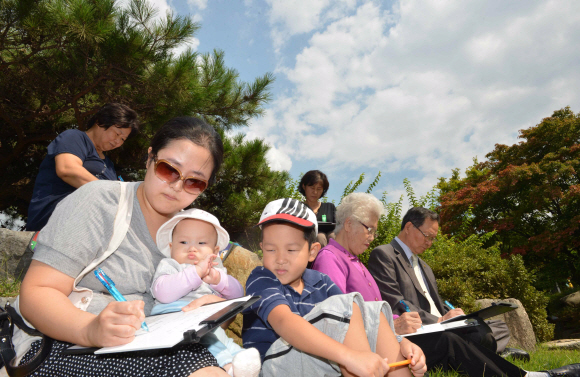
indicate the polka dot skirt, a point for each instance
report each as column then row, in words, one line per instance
column 176, row 361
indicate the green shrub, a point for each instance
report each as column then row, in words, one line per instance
column 467, row 271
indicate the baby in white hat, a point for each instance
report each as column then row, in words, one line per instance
column 191, row 241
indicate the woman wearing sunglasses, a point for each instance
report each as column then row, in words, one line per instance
column 184, row 157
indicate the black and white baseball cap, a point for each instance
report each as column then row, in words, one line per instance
column 289, row 210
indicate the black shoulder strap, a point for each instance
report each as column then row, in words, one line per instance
column 6, row 328
column 9, row 318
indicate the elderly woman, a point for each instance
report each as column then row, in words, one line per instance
column 76, row 157
column 357, row 218
column 314, row 186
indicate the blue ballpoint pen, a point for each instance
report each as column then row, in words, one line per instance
column 108, row 283
column 449, row 304
column 405, row 306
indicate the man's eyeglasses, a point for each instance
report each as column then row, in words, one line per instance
column 431, row 239
column 372, row 231
column 170, row 174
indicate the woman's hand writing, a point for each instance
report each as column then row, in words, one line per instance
column 116, row 324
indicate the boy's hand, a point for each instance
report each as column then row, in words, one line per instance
column 412, row 351
column 366, row 364
column 213, row 276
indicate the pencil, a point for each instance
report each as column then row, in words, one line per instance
column 399, row 363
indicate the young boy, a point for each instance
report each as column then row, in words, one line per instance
column 303, row 325
column 191, row 241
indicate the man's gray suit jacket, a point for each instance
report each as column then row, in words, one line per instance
column 396, row 279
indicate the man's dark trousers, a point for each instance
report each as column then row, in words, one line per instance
column 447, row 350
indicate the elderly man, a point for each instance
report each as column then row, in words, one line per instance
column 407, row 283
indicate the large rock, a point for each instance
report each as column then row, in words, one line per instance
column 572, row 299
column 13, row 244
column 564, row 344
column 240, row 264
column 521, row 330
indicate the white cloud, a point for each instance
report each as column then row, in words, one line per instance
column 277, row 160
column 199, row 4
column 292, row 17
column 197, row 17
column 424, row 86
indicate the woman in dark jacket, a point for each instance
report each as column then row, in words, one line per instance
column 76, row 157
column 314, row 186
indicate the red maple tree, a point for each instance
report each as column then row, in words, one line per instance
column 529, row 193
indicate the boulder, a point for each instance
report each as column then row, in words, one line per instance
column 13, row 245
column 521, row 330
column 240, row 264
column 564, row 344
column 572, row 300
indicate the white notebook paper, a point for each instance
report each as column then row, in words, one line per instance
column 438, row 327
column 166, row 330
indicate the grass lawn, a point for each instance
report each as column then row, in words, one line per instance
column 541, row 359
column 9, row 287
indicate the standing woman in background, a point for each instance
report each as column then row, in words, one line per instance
column 76, row 157
column 314, row 186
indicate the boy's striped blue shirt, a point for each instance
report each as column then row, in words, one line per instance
column 256, row 331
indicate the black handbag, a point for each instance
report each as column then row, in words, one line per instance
column 8, row 318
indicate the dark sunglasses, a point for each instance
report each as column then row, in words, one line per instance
column 170, row 174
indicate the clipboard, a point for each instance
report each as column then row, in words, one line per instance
column 216, row 319
column 171, row 329
column 440, row 327
column 325, row 227
column 490, row 311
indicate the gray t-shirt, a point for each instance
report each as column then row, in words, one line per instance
column 80, row 229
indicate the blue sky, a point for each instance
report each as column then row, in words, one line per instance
column 410, row 88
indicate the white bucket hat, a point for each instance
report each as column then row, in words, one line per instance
column 165, row 232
